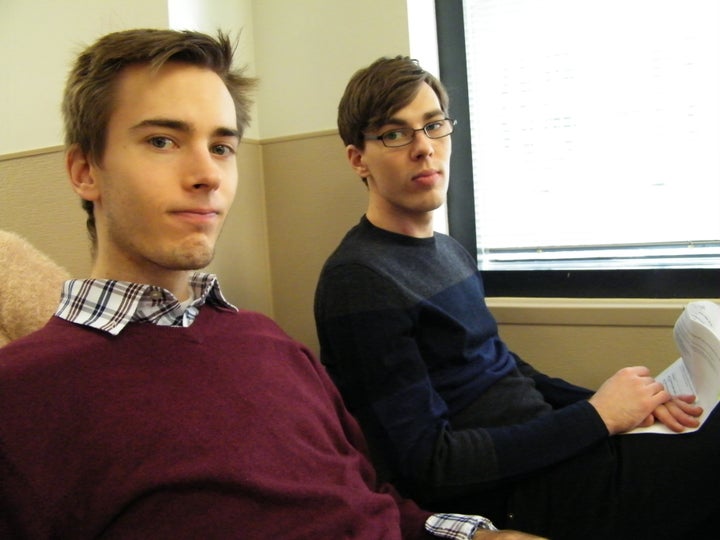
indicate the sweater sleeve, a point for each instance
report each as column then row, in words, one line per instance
column 374, row 360
column 557, row 392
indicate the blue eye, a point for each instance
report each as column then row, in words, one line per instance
column 392, row 135
column 434, row 126
column 396, row 135
column 223, row 150
column 160, row 142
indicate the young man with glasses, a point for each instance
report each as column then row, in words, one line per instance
column 453, row 417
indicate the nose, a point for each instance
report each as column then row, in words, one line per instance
column 203, row 171
column 421, row 145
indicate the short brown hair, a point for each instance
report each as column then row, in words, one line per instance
column 88, row 101
column 378, row 91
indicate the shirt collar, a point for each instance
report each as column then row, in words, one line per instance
column 109, row 305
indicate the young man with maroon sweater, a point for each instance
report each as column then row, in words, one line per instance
column 148, row 406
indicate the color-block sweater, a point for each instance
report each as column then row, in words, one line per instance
column 446, row 407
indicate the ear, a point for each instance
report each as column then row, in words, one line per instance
column 356, row 158
column 82, row 174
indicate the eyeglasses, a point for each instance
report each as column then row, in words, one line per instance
column 437, row 129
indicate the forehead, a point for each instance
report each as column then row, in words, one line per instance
column 175, row 90
column 425, row 105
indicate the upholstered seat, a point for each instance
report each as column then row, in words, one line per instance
column 29, row 287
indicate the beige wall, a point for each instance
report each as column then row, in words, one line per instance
column 37, row 203
column 297, row 196
column 242, row 257
column 314, row 198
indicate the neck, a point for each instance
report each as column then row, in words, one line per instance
column 416, row 226
column 175, row 281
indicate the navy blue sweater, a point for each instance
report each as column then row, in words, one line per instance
column 407, row 337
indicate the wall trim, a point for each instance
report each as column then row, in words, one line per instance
column 300, row 136
column 33, row 152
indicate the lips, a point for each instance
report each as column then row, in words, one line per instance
column 428, row 177
column 197, row 215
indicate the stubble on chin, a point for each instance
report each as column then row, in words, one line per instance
column 191, row 256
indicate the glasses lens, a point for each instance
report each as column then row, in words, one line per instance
column 397, row 137
column 438, row 129
column 404, row 136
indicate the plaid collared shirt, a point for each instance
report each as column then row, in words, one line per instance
column 109, row 305
column 457, row 526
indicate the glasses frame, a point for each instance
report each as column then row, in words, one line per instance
column 381, row 137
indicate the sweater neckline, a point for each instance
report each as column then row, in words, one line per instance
column 380, row 233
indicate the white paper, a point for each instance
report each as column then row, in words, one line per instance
column 697, row 371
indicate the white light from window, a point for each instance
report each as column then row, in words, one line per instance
column 184, row 14
column 595, row 124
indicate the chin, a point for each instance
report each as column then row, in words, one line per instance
column 193, row 257
column 200, row 261
column 431, row 206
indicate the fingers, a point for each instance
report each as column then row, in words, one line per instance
column 632, row 398
column 678, row 415
column 649, row 421
column 687, row 406
column 664, row 416
column 652, row 387
column 628, row 399
column 654, row 391
column 640, row 371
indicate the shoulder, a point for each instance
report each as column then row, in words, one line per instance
column 448, row 245
column 365, row 262
column 47, row 354
column 247, row 321
column 56, row 334
column 246, row 329
column 379, row 250
column 354, row 246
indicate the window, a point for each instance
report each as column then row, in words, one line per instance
column 586, row 161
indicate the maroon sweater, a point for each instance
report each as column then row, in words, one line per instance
column 226, row 429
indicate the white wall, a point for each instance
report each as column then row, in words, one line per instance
column 307, row 50
column 234, row 17
column 38, row 40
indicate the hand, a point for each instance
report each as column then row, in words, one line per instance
column 484, row 534
column 628, row 399
column 677, row 414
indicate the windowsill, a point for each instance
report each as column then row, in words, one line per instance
column 587, row 311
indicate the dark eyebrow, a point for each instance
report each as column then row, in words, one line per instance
column 179, row 125
column 426, row 117
column 227, row 132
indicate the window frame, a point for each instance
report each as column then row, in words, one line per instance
column 641, row 283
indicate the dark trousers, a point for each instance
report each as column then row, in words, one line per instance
column 635, row 487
